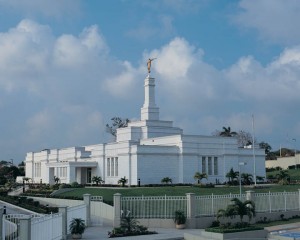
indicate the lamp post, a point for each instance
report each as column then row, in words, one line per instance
column 294, row 139
column 241, row 164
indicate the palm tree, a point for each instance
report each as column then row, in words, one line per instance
column 247, row 178
column 97, row 180
column 26, row 179
column 238, row 208
column 227, row 132
column 129, row 224
column 199, row 176
column 123, row 181
column 166, row 180
column 260, row 178
column 283, row 177
column 232, row 175
column 56, row 179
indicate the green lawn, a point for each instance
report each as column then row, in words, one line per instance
column 107, row 193
column 294, row 174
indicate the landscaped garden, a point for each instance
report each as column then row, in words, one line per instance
column 107, row 193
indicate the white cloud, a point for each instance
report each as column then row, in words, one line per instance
column 124, row 83
column 276, row 21
column 278, row 81
column 174, row 60
column 58, row 91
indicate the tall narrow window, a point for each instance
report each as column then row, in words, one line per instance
column 216, row 171
column 108, row 166
column 116, row 167
column 37, row 170
column 203, row 164
column 209, row 163
column 112, row 167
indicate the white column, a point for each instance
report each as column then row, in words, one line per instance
column 71, row 174
column 149, row 110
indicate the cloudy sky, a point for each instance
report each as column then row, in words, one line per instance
column 68, row 66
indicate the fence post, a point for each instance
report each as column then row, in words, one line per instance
column 117, row 209
column 250, row 196
column 87, row 202
column 1, row 224
column 191, row 209
column 285, row 201
column 299, row 198
column 270, row 204
column 25, row 228
column 64, row 212
column 190, row 206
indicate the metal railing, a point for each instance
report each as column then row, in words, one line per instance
column 165, row 206
column 153, row 207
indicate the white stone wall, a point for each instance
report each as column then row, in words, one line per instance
column 283, row 162
column 152, row 168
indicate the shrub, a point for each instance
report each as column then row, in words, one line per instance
column 215, row 223
column 29, row 200
column 74, row 184
column 64, row 185
column 179, row 217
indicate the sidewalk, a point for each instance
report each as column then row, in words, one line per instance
column 99, row 233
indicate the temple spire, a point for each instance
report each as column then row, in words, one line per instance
column 149, row 110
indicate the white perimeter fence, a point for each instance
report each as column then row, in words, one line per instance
column 37, row 227
column 153, row 207
column 46, row 227
column 93, row 211
column 208, row 205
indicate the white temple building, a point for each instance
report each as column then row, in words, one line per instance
column 149, row 149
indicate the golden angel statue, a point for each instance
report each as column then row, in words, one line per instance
column 149, row 64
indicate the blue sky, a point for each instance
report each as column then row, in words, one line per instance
column 67, row 67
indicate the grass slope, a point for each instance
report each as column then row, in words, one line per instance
column 107, row 193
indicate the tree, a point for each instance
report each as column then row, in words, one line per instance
column 283, row 177
column 117, row 122
column 232, row 175
column 199, row 176
column 227, row 132
column 97, row 180
column 269, row 155
column 166, row 180
column 8, row 173
column 247, row 178
column 244, row 138
column 122, row 181
column 238, row 208
column 21, row 167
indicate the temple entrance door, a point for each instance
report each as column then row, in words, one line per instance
column 89, row 175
